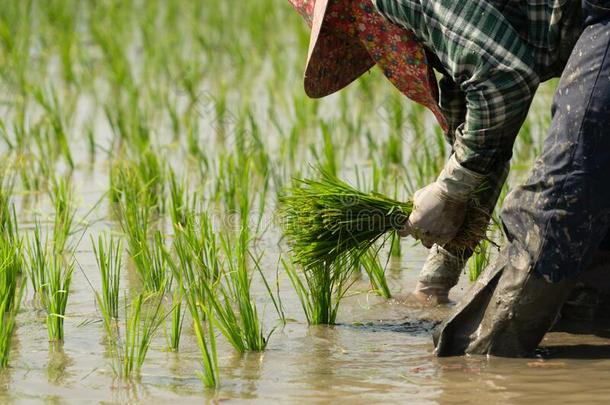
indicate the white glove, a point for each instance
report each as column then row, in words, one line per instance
column 440, row 208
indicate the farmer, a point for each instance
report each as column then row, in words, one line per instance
column 492, row 55
column 348, row 38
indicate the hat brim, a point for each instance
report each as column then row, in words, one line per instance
column 335, row 59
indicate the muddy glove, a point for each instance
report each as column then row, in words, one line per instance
column 439, row 208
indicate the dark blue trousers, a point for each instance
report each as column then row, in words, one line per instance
column 556, row 221
column 561, row 214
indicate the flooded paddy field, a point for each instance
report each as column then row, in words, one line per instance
column 169, row 129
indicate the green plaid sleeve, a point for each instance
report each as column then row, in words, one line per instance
column 489, row 61
column 452, row 104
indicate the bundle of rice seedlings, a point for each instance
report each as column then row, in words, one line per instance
column 326, row 220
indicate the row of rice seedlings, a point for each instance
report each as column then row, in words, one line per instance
column 320, row 290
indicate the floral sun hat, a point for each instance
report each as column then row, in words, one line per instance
column 348, row 37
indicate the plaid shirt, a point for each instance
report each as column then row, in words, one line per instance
column 494, row 54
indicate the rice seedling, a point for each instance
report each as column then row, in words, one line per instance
column 176, row 319
column 234, row 311
column 326, row 220
column 8, row 216
column 145, row 252
column 194, row 278
column 178, row 201
column 210, row 376
column 479, row 260
column 108, row 255
column 37, row 252
column 57, row 116
column 65, row 211
column 376, row 273
column 11, row 266
column 143, row 179
column 328, row 161
column 321, row 289
column 222, row 287
column 141, row 324
column 10, row 302
column 56, row 290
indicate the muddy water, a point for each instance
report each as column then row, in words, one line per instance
column 380, row 352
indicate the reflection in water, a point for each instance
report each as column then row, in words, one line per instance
column 5, row 381
column 130, row 391
column 244, row 370
column 317, row 356
column 57, row 364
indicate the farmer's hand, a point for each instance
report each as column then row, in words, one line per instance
column 440, row 208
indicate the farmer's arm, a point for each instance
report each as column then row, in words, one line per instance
column 483, row 53
column 453, row 105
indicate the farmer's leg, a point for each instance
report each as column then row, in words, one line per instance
column 555, row 222
column 443, row 267
column 590, row 298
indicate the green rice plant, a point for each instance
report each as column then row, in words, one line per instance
column 8, row 216
column 320, row 290
column 11, row 245
column 141, row 324
column 176, row 319
column 195, row 278
column 210, row 376
column 91, row 145
column 479, row 260
column 37, row 252
column 158, row 277
column 178, row 201
column 327, row 220
column 395, row 248
column 329, row 160
column 142, row 178
column 198, row 252
column 11, row 266
column 56, row 290
column 222, row 287
column 233, row 310
column 57, row 116
column 108, row 255
column 65, row 212
column 145, row 252
column 376, row 273
column 10, row 302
